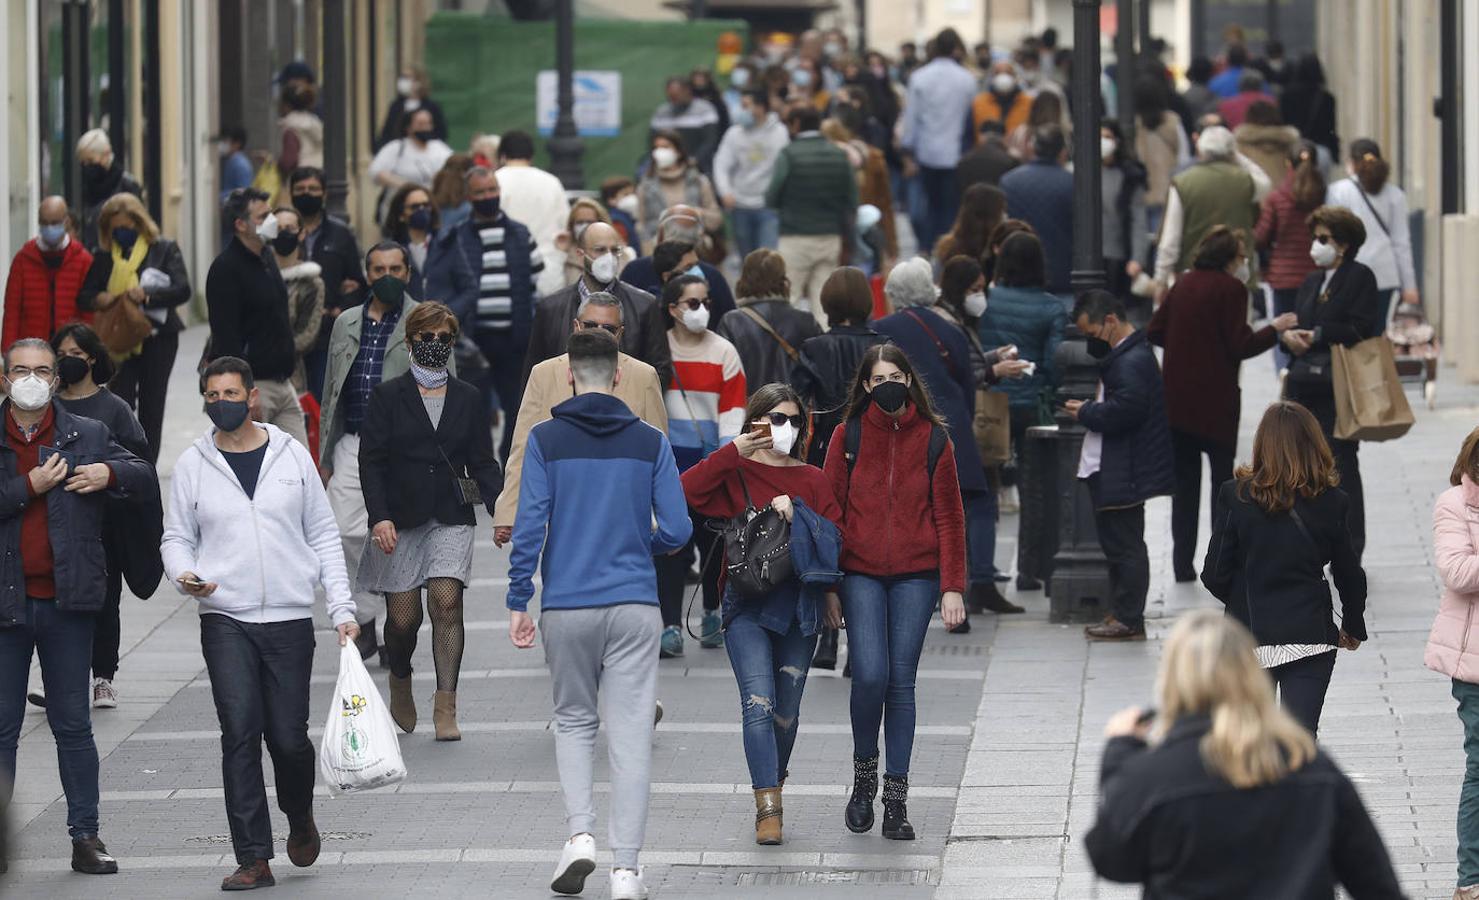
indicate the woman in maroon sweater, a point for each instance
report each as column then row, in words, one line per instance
column 1203, row 324
column 903, row 542
column 1283, row 230
column 770, row 639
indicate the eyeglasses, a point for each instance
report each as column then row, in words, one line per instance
column 692, row 303
column 897, row 377
column 439, row 337
column 613, row 330
column 777, row 419
column 18, row 372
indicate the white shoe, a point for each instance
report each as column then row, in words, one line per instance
column 627, row 884
column 104, row 695
column 577, row 861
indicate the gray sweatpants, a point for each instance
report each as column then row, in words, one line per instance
column 611, row 649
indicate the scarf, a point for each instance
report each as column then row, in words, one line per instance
column 431, row 379
column 124, row 277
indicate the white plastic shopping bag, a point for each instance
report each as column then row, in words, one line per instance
column 360, row 751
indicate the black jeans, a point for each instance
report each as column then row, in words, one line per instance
column 1302, row 685
column 1122, row 538
column 108, row 631
column 259, row 679
column 942, row 202
column 1320, row 401
column 672, row 571
column 1186, row 502
column 142, row 382
column 505, row 357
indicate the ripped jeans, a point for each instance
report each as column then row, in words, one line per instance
column 771, row 671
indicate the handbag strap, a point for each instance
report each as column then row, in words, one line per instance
column 1374, row 214
column 692, row 416
column 939, row 345
column 1299, row 521
column 770, row 330
column 745, row 489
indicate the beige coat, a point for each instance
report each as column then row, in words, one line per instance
column 549, row 385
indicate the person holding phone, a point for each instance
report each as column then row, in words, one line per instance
column 904, row 543
column 250, row 535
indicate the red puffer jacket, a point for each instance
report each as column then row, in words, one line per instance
column 1283, row 230
column 40, row 299
column 894, row 522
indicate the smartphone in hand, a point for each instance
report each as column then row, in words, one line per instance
column 761, row 430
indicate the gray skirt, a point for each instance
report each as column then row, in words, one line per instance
column 432, row 550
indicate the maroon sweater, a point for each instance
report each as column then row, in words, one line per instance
column 713, row 486
column 1284, row 231
column 37, row 563
column 894, row 522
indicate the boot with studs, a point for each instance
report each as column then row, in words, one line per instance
column 896, row 825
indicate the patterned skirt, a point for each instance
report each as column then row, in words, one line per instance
column 431, row 550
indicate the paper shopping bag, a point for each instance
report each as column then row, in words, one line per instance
column 1369, row 402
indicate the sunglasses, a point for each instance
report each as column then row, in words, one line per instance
column 439, row 337
column 613, row 330
column 691, row 303
column 1323, row 238
column 413, row 207
column 777, row 419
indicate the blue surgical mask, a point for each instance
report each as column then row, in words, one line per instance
column 744, row 118
column 696, row 269
column 802, row 78
column 51, row 235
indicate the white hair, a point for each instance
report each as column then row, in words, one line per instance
column 911, row 283
column 602, row 299
column 95, row 142
column 1216, row 142
column 487, row 144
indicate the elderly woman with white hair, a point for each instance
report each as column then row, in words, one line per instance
column 102, row 177
column 941, row 356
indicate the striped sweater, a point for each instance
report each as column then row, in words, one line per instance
column 706, row 398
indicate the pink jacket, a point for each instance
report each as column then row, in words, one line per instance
column 1453, row 644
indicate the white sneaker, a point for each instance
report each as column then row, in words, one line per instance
column 104, row 695
column 627, row 884
column 577, row 860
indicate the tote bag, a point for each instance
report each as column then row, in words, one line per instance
column 360, row 751
column 1369, row 402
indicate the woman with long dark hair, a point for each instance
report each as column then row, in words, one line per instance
column 439, row 271
column 1283, row 230
column 904, row 543
column 982, row 208
column 1281, row 521
column 771, row 638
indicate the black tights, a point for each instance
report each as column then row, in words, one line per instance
column 403, row 621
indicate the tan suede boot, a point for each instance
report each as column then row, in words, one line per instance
column 402, row 703
column 768, row 816
column 444, row 716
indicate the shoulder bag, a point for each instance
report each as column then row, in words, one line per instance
column 769, row 329
column 757, row 549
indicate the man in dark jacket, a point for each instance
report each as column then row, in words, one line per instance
column 248, row 305
column 328, row 242
column 1126, row 457
column 52, row 577
column 990, row 159
column 681, row 223
column 1041, row 194
column 645, row 336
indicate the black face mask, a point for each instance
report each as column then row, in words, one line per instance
column 891, row 396
column 308, row 204
column 431, row 354
column 227, row 414
column 285, row 242
column 420, row 220
column 425, row 136
column 390, row 291
column 486, row 208
column 72, row 369
column 94, row 175
column 1098, row 347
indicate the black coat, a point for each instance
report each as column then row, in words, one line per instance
column 825, row 374
column 1168, row 823
column 764, row 359
column 74, row 521
column 337, row 254
column 248, row 305
column 644, row 337
column 1351, row 312
column 985, row 164
column 1135, row 463
column 1271, row 575
column 163, row 255
column 402, row 471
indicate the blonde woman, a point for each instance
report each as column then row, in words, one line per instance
column 1221, row 793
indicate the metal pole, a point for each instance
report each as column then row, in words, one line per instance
column 1272, row 17
column 336, row 110
column 74, row 97
column 1088, row 229
column 1198, row 27
column 1142, row 27
column 565, row 146
column 1446, row 106
column 1124, row 66
column 117, row 88
column 153, row 166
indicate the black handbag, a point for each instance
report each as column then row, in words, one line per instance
column 467, row 490
column 757, row 549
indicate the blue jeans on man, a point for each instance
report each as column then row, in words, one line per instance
column 259, row 680
column 755, row 228
column 887, row 620
column 63, row 641
column 771, row 671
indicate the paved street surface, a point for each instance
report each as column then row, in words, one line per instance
column 1005, row 765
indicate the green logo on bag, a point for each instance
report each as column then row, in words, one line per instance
column 356, row 744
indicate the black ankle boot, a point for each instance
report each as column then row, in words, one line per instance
column 366, row 643
column 896, row 825
column 864, row 789
column 826, row 657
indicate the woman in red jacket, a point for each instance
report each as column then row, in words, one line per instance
column 903, row 542
column 1283, row 230
column 1203, row 324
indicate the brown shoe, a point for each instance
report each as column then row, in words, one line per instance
column 303, row 842
column 444, row 715
column 1112, row 629
column 249, row 877
column 402, row 704
column 90, row 857
column 768, row 816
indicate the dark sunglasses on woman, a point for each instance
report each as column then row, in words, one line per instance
column 692, row 303
column 427, row 337
column 778, row 419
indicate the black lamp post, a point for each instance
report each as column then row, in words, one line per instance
column 565, row 145
column 1124, row 66
column 336, row 111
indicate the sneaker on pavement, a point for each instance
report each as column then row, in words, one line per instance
column 577, row 860
column 712, row 630
column 672, row 643
column 1112, row 629
column 627, row 884
column 104, row 695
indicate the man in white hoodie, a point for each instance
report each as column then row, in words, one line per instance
column 250, row 535
column 742, row 169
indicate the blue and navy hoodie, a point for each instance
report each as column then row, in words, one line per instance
column 595, row 479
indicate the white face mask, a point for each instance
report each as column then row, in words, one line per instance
column 223, row 148
column 1107, row 147
column 1323, row 254
column 603, row 268
column 783, row 438
column 628, row 204
column 1243, row 272
column 268, row 229
column 696, row 320
column 663, row 157
column 975, row 303
column 30, row 393
column 404, row 86
column 1003, row 82
column 739, row 78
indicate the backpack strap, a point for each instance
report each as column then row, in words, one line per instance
column 938, row 441
column 852, row 439
column 770, row 330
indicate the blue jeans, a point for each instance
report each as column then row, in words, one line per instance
column 1467, row 696
column 771, row 670
column 887, row 619
column 63, row 640
column 980, row 535
column 259, row 680
column 755, row 228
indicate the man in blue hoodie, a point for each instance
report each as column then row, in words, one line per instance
column 595, row 480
